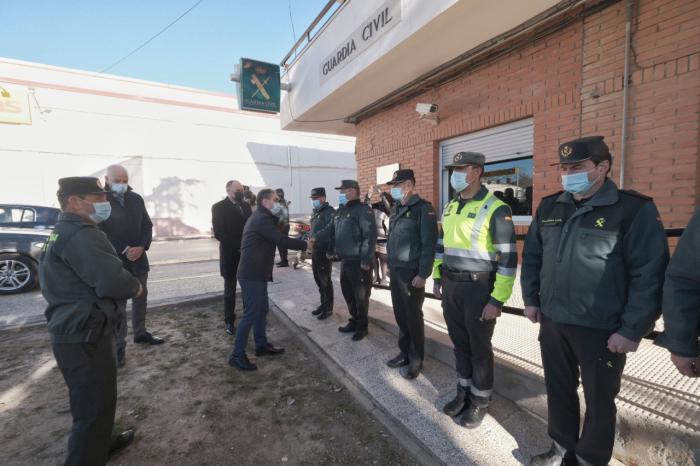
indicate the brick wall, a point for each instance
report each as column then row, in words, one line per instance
column 571, row 83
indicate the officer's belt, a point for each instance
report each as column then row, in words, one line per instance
column 466, row 276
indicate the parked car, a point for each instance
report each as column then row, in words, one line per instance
column 20, row 250
column 27, row 216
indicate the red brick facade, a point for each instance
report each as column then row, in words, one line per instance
column 571, row 83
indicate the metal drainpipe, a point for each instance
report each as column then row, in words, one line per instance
column 289, row 163
column 625, row 91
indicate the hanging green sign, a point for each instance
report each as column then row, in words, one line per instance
column 259, row 88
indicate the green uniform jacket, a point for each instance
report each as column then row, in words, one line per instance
column 600, row 265
column 412, row 236
column 320, row 220
column 83, row 281
column 681, row 303
column 352, row 233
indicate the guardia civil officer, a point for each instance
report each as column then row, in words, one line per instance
column 474, row 271
column 411, row 252
column 86, row 288
column 592, row 272
column 353, row 236
column 321, row 265
column 681, row 302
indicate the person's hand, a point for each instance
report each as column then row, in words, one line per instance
column 134, row 253
column 490, row 312
column 619, row 344
column 140, row 292
column 533, row 313
column 688, row 366
column 437, row 289
column 365, row 267
column 418, row 282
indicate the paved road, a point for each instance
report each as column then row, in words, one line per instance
column 180, row 269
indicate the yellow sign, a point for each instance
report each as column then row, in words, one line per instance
column 14, row 105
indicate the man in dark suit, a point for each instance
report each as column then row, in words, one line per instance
column 261, row 236
column 228, row 217
column 130, row 230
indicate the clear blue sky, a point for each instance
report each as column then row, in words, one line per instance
column 198, row 51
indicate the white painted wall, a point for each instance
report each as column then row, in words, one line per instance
column 181, row 145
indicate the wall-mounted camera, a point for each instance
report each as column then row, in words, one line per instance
column 428, row 112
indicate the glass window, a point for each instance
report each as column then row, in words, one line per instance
column 511, row 181
column 28, row 216
column 5, row 215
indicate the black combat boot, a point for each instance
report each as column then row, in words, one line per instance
column 351, row 327
column 459, row 403
column 478, row 406
column 554, row 457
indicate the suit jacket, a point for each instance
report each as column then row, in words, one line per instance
column 228, row 219
column 129, row 225
column 260, row 237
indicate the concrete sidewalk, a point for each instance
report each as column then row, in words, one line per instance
column 658, row 409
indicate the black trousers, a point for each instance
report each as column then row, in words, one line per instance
column 282, row 250
column 322, row 268
column 408, row 310
column 356, row 285
column 570, row 351
column 230, row 287
column 90, row 372
column 462, row 305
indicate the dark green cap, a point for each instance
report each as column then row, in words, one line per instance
column 463, row 159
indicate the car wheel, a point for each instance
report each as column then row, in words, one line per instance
column 17, row 273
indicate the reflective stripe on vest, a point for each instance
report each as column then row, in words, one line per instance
column 466, row 236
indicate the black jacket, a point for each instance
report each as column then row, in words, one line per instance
column 412, row 236
column 320, row 220
column 261, row 236
column 83, row 282
column 353, row 233
column 228, row 220
column 129, row 225
column 599, row 265
column 681, row 303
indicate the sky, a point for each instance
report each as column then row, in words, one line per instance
column 199, row 51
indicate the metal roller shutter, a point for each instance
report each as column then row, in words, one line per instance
column 509, row 141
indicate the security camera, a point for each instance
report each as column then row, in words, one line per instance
column 426, row 109
column 428, row 112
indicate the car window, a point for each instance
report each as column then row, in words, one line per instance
column 28, row 216
column 5, row 215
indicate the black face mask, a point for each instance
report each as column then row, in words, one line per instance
column 238, row 196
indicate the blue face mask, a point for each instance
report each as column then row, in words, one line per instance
column 342, row 199
column 118, row 188
column 577, row 183
column 397, row 194
column 316, row 203
column 276, row 209
column 102, row 211
column 459, row 182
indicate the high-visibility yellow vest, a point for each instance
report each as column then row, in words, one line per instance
column 466, row 244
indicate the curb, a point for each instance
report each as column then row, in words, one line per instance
column 408, row 441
